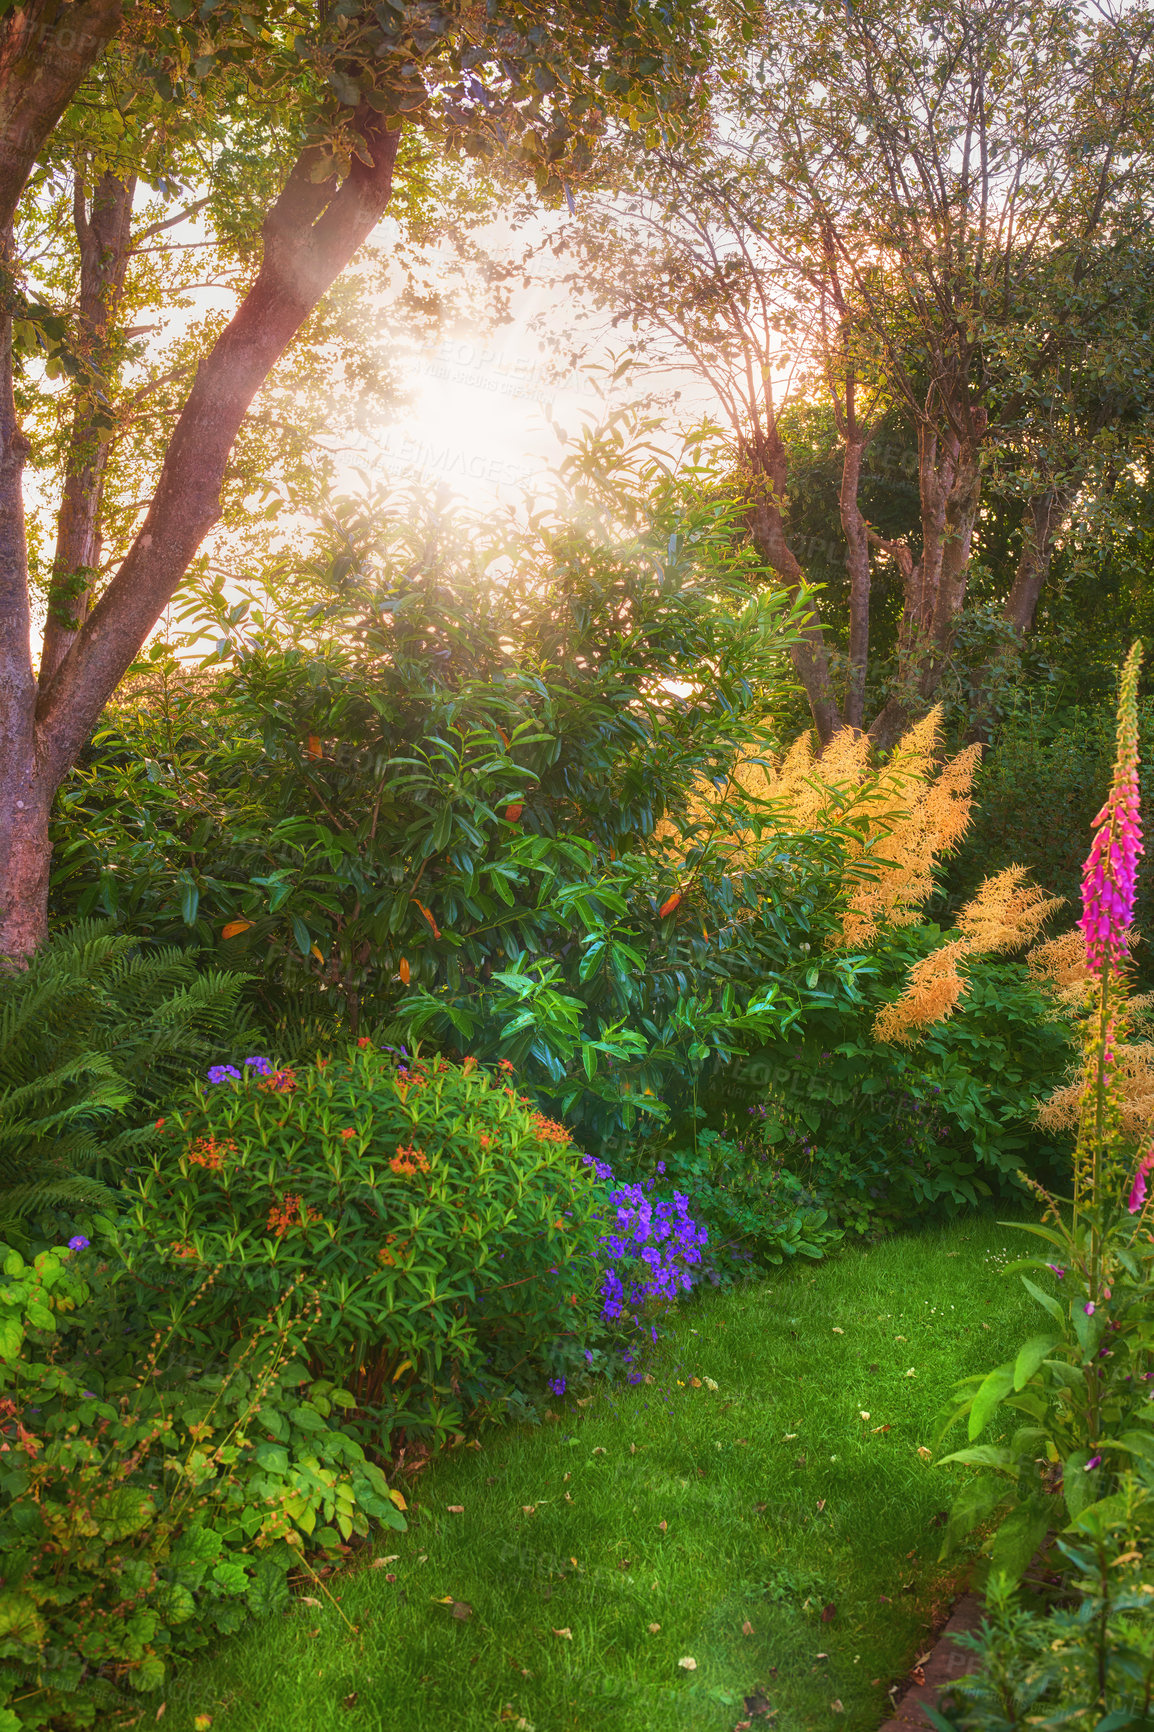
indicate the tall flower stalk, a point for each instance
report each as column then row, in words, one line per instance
column 1108, row 885
column 1087, row 1382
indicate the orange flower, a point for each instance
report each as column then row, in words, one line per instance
column 207, row 1152
column 468, row 1063
column 346, row 1134
column 281, row 1082
column 484, row 1142
column 364, row 1041
column 408, row 1161
column 504, row 1064
column 160, row 1124
column 288, row 1215
column 549, row 1130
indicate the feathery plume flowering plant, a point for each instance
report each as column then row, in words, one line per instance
column 1086, row 1384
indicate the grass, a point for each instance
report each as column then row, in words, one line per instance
column 791, row 1499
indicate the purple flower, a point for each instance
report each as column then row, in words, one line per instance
column 1089, row 1308
column 78, row 1242
column 557, row 1385
column 262, row 1066
column 1057, row 1270
column 1092, row 1463
column 219, row 1073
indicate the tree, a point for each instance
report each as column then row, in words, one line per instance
column 327, row 92
column 932, row 203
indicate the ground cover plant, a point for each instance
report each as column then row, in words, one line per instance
column 772, row 1473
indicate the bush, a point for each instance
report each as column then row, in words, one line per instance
column 93, row 1035
column 448, row 1230
column 878, row 1132
column 756, row 1214
column 147, row 1509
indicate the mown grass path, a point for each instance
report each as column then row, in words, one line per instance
column 779, row 1530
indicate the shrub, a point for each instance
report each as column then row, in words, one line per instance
column 93, row 1035
column 875, row 1131
column 755, row 1213
column 448, row 1230
column 146, row 1510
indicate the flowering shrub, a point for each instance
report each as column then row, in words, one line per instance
column 148, row 1508
column 653, row 1246
column 756, row 1214
column 448, row 1230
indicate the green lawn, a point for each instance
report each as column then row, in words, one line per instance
column 791, row 1499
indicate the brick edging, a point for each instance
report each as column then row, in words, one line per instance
column 946, row 1663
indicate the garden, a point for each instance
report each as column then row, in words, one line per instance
column 576, row 1071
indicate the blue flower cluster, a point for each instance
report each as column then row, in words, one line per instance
column 661, row 1235
column 219, row 1073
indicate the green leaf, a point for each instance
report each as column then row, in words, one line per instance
column 1019, row 1537
column 1030, row 1356
column 1044, row 1299
column 991, row 1393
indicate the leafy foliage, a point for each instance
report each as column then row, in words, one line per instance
column 448, row 1230
column 879, row 1133
column 147, row 1510
column 93, row 1035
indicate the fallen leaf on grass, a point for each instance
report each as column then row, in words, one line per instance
column 924, row 1453
column 456, row 1508
column 828, row 1613
column 623, row 1564
column 918, row 1674
column 820, row 1504
column 687, row 1663
column 662, row 1527
column 202, row 1722
column 838, row 1331
column 747, row 1628
column 709, row 1383
column 383, row 1563
column 757, row 1705
column 566, row 1634
column 349, row 1701
column 653, row 1629
column 911, row 1372
column 835, row 1706
column 307, row 1600
column 161, row 1709
column 878, row 1428
column 528, row 1509
column 695, row 1383
column 461, row 1608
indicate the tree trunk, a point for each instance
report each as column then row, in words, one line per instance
column 768, row 461
column 46, row 51
column 1041, row 521
column 23, row 816
column 949, row 476
column 103, row 235
column 310, row 235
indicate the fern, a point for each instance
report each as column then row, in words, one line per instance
column 94, row 1037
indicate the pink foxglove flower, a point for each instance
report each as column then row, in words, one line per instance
column 1138, row 1189
column 1111, row 867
